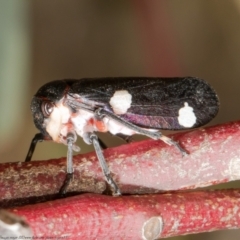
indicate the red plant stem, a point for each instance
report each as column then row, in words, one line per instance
column 141, row 167
column 92, row 216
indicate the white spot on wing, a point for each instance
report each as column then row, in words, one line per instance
column 186, row 116
column 121, row 101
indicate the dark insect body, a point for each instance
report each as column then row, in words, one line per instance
column 64, row 109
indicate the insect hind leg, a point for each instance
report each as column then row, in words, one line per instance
column 101, row 113
column 171, row 142
column 126, row 138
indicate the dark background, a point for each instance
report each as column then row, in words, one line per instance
column 44, row 40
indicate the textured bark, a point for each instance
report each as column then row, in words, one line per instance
column 138, row 168
column 141, row 167
column 93, row 216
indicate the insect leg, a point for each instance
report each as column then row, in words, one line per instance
column 37, row 138
column 101, row 113
column 124, row 137
column 94, row 139
column 71, row 138
column 102, row 144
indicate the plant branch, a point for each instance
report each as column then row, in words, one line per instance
column 138, row 168
column 93, row 216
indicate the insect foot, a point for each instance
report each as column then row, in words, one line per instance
column 171, row 142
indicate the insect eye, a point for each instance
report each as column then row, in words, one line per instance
column 47, row 108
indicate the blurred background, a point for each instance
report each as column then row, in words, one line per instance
column 43, row 40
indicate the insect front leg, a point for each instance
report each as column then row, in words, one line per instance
column 101, row 113
column 71, row 138
column 37, row 138
column 95, row 141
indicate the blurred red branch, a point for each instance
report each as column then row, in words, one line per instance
column 138, row 168
column 93, row 216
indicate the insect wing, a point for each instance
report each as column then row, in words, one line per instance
column 159, row 103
